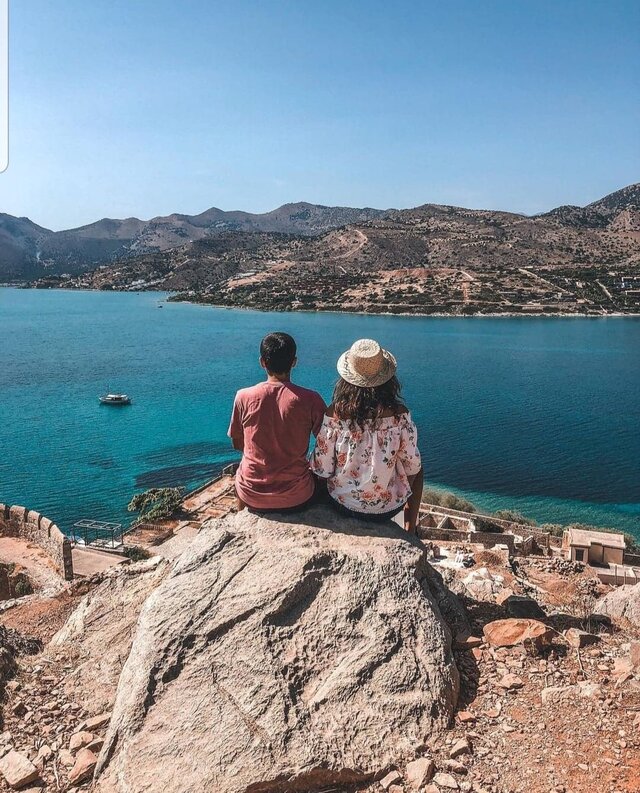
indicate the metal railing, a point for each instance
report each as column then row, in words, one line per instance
column 98, row 533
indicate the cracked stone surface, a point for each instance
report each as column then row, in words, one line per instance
column 281, row 656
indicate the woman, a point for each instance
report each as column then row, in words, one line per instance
column 367, row 445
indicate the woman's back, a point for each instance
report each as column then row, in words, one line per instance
column 367, row 464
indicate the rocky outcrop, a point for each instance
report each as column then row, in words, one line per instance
column 277, row 656
column 98, row 634
column 622, row 603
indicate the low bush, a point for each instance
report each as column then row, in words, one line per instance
column 514, row 516
column 443, row 498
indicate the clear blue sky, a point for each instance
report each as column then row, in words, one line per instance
column 145, row 107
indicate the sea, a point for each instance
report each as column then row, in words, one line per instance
column 540, row 415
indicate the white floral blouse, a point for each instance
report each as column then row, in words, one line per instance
column 367, row 470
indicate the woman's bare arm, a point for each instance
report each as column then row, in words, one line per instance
column 412, row 507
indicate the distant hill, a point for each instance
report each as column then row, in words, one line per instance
column 430, row 259
column 28, row 251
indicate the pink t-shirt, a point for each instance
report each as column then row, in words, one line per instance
column 276, row 421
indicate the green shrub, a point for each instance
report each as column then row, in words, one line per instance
column 136, row 553
column 514, row 516
column 22, row 588
column 554, row 529
column 156, row 503
column 443, row 498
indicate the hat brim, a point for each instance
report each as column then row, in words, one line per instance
column 387, row 371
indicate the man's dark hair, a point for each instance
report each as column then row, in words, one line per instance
column 278, row 351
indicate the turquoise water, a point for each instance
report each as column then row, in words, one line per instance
column 541, row 415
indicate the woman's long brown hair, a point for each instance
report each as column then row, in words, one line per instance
column 359, row 405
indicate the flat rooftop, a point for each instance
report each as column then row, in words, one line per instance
column 589, row 538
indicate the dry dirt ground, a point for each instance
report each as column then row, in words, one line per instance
column 34, row 561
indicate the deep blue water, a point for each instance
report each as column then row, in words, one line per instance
column 542, row 415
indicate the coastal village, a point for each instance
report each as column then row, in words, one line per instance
column 545, row 636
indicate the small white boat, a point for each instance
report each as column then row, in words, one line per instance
column 115, row 399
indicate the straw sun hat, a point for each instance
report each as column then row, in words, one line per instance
column 366, row 364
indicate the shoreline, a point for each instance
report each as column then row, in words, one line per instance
column 404, row 314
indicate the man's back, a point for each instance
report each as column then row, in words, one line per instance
column 275, row 420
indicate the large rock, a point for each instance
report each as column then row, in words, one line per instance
column 282, row 656
column 622, row 603
column 509, row 632
column 97, row 636
column 17, row 770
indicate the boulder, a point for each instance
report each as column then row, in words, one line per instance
column 114, row 605
column 282, row 653
column 523, row 607
column 622, row 603
column 509, row 632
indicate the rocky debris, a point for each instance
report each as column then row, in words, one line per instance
column 622, row 603
column 554, row 564
column 578, row 639
column 12, row 645
column 509, row 632
column 42, row 720
column 114, row 604
column 275, row 650
column 483, row 585
column 17, row 769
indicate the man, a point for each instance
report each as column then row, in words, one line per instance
column 271, row 425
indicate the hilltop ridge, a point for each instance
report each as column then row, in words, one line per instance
column 432, row 259
column 28, row 250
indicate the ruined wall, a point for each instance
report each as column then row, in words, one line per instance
column 489, row 539
column 632, row 559
column 446, row 535
column 34, row 527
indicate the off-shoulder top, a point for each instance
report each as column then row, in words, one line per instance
column 367, row 469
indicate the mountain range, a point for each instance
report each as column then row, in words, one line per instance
column 29, row 251
column 429, row 259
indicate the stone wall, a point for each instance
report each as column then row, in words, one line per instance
column 490, row 538
column 437, row 521
column 444, row 535
column 34, row 527
column 632, row 558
